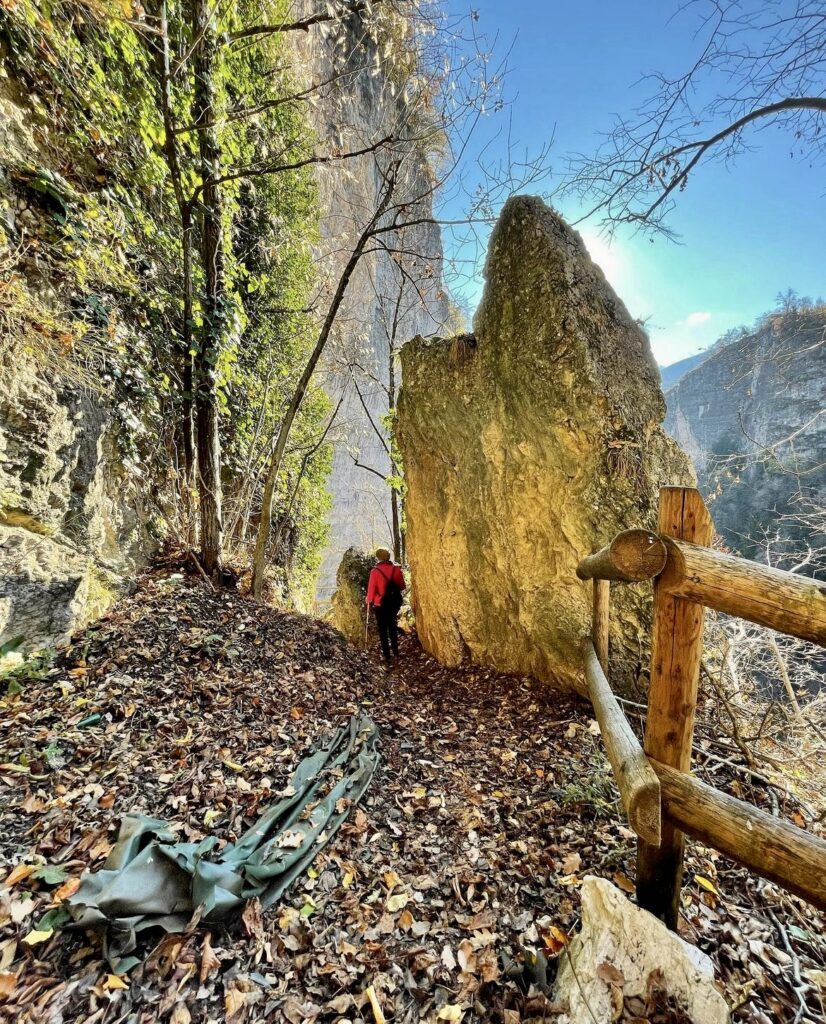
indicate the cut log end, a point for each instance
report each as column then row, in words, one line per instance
column 632, row 556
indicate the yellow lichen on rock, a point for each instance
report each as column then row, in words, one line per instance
column 531, row 450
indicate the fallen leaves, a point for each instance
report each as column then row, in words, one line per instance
column 209, row 960
column 19, row 874
column 494, row 797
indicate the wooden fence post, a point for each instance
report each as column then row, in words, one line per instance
column 676, row 652
column 601, row 622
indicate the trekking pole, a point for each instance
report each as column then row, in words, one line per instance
column 366, row 624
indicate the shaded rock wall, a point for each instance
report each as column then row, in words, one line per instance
column 72, row 522
column 525, row 447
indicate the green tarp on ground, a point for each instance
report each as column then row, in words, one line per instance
column 151, row 881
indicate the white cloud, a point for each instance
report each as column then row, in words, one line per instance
column 695, row 319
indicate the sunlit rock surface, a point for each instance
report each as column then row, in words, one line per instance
column 624, row 957
column 526, row 446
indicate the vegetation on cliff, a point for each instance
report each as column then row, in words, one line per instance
column 99, row 287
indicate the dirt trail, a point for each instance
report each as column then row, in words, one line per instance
column 492, row 801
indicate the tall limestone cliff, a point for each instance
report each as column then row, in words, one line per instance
column 752, row 418
column 395, row 293
column 526, row 446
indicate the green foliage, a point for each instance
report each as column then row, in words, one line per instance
column 108, row 236
column 16, row 670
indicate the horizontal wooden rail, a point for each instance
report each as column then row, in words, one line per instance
column 632, row 555
column 770, row 597
column 637, row 782
column 769, row 846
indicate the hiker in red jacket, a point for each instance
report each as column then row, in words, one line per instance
column 384, row 596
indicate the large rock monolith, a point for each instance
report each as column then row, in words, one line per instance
column 527, row 445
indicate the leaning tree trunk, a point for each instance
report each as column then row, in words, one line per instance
column 259, row 557
column 212, row 255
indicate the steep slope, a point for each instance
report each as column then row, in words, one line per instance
column 526, row 447
column 752, row 418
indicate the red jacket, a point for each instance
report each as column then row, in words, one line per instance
column 379, row 578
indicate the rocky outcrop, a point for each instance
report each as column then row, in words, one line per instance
column 625, row 964
column 751, row 417
column 526, row 446
column 71, row 520
column 348, row 607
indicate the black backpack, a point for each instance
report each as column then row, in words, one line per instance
column 392, row 599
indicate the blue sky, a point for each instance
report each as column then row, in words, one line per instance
column 746, row 232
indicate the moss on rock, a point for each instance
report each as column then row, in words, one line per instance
column 348, row 608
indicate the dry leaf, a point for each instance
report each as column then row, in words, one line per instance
column 209, row 961
column 624, row 882
column 114, row 981
column 69, row 888
column 180, row 1015
column 611, row 975
column 555, row 939
column 19, row 874
column 397, row 901
column 571, row 864
column 252, row 919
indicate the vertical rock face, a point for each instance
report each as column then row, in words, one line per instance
column 359, row 108
column 527, row 446
column 751, row 417
column 70, row 520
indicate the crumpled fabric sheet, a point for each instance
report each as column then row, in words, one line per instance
column 151, row 881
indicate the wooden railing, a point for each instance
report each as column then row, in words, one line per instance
column 662, row 800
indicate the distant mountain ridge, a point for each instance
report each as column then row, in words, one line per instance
column 674, row 372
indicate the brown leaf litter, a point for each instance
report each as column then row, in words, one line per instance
column 439, row 896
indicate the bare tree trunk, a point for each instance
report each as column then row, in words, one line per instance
column 261, row 541
column 172, row 157
column 784, row 675
column 212, row 255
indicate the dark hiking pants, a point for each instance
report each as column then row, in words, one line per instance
column 386, row 620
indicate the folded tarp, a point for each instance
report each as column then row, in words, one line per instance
column 151, row 881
